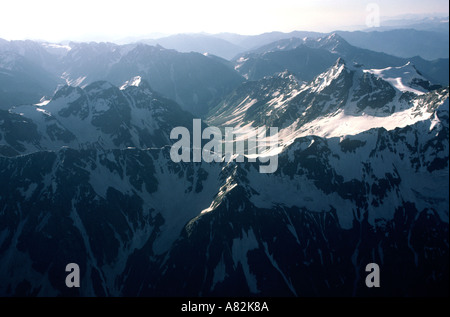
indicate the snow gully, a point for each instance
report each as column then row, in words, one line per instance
column 239, row 144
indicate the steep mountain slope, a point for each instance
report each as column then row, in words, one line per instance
column 93, row 207
column 85, row 63
column 34, row 52
column 21, row 81
column 197, row 82
column 303, row 61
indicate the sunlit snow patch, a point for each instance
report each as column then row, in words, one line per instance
column 400, row 78
column 135, row 81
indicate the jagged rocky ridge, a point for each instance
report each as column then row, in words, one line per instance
column 99, row 115
column 308, row 57
column 343, row 100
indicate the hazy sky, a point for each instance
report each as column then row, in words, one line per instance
column 56, row 20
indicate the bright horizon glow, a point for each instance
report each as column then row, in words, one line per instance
column 102, row 20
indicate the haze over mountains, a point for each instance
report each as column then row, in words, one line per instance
column 431, row 43
column 362, row 165
column 82, row 63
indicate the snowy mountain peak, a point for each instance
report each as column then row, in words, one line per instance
column 333, row 43
column 135, row 81
column 339, row 62
column 334, row 37
column 336, row 72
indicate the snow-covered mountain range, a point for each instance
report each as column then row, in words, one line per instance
column 86, row 174
column 344, row 100
column 307, row 57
